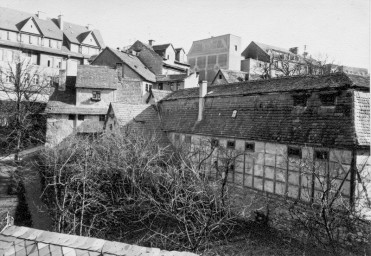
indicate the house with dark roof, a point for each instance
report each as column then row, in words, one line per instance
column 225, row 76
column 51, row 43
column 274, row 126
column 128, row 66
column 81, row 104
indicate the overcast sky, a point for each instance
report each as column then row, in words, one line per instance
column 337, row 28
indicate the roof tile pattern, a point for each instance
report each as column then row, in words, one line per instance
column 96, row 77
column 233, row 76
column 266, row 113
column 28, row 241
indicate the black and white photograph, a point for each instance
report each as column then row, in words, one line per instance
column 185, row 128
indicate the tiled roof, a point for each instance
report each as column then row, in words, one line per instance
column 13, row 19
column 25, row 241
column 283, row 84
column 148, row 56
column 96, row 77
column 233, row 76
column 142, row 117
column 159, row 94
column 77, row 33
column 133, row 62
column 362, row 117
column 125, row 113
column 265, row 112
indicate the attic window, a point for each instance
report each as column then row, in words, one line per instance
column 96, row 96
column 294, row 152
column 234, row 113
column 250, row 146
column 328, row 99
column 231, row 144
column 300, row 100
column 321, row 154
column 220, row 76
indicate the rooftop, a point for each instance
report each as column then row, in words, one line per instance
column 96, row 77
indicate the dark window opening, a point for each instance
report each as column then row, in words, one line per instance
column 110, row 127
column 214, row 143
column 160, row 86
column 231, row 167
column 328, row 99
column 321, row 155
column 80, row 117
column 48, row 63
column 300, row 100
column 231, row 144
column 102, row 118
column 235, row 47
column 250, row 146
column 71, row 117
column 188, row 139
column 295, row 152
column 220, row 76
column 96, row 95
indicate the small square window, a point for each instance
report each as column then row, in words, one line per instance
column 250, row 146
column 294, row 152
column 328, row 99
column 231, row 144
column 160, row 86
column 214, row 143
column 188, row 139
column 300, row 100
column 321, row 155
column 71, row 117
column 102, row 118
column 81, row 117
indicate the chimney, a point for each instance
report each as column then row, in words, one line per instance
column 294, row 50
column 60, row 21
column 41, row 15
column 150, row 42
column 201, row 100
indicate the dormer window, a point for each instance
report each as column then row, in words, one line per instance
column 96, row 96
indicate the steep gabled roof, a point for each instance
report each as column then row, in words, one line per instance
column 77, row 33
column 14, row 20
column 231, row 76
column 135, row 64
column 17, row 240
column 96, row 77
column 125, row 113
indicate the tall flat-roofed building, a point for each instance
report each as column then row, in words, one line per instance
column 207, row 56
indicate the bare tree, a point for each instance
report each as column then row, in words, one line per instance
column 24, row 90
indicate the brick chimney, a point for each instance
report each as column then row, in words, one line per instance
column 150, row 42
column 60, row 21
column 201, row 100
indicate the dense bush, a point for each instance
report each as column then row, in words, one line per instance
column 126, row 187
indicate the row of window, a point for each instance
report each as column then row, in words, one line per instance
column 30, row 39
column 250, row 147
column 102, row 118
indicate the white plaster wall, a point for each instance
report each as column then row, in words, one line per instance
column 58, row 128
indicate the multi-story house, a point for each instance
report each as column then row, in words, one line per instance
column 50, row 43
column 207, row 56
column 81, row 103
